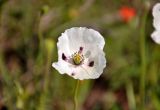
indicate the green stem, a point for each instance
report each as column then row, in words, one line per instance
column 44, row 93
column 143, row 59
column 130, row 95
column 41, row 45
column 47, row 73
column 75, row 95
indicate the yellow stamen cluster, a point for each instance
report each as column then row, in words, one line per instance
column 77, row 58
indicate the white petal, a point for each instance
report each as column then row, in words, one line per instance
column 93, row 37
column 80, row 37
column 99, row 64
column 156, row 11
column 87, row 72
column 156, row 23
column 63, row 46
column 63, row 67
column 156, row 36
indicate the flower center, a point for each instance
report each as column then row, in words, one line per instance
column 77, row 58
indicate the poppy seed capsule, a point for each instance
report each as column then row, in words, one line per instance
column 77, row 58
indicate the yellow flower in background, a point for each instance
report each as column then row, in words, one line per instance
column 80, row 53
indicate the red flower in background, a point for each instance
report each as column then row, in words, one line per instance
column 127, row 13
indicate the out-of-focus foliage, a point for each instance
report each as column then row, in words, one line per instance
column 28, row 34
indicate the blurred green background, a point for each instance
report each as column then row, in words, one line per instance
column 28, row 35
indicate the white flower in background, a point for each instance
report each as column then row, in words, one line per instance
column 156, row 23
column 80, row 53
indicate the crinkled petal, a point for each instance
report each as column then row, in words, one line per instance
column 80, row 37
column 156, row 11
column 93, row 37
column 156, row 36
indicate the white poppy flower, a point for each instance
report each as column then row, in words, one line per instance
column 80, row 53
column 156, row 10
column 156, row 23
